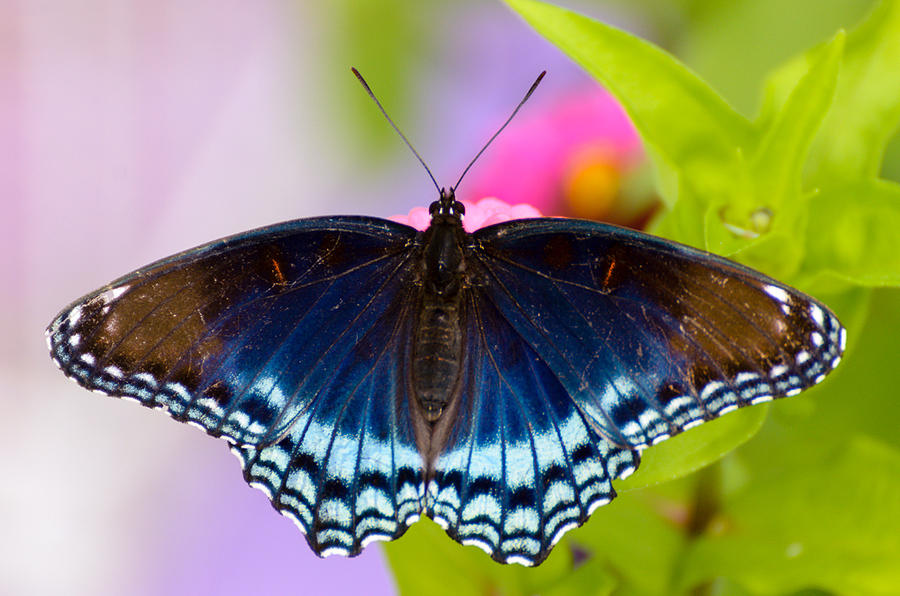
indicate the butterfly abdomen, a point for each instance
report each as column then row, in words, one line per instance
column 437, row 354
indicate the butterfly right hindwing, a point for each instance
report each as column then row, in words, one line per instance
column 523, row 464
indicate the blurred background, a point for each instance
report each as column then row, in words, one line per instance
column 130, row 130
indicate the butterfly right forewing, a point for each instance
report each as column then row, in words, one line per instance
column 650, row 337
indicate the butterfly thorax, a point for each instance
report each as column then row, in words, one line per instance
column 437, row 343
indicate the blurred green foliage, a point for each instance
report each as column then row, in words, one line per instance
column 812, row 503
column 375, row 36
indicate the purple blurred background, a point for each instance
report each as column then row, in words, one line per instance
column 130, row 130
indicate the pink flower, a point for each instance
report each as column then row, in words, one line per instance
column 479, row 214
column 575, row 156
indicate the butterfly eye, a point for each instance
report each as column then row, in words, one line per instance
column 459, row 207
column 434, row 207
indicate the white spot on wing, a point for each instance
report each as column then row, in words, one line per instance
column 778, row 370
column 374, row 538
column 293, row 517
column 597, row 504
column 74, row 315
column 262, row 487
column 146, row 378
column 479, row 543
column 817, row 339
column 744, row 377
column 112, row 294
column 816, row 313
column 777, row 293
column 710, row 388
column 561, row 532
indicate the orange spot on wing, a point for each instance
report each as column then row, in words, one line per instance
column 612, row 264
column 278, row 273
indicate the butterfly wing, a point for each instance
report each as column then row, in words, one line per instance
column 347, row 471
column 650, row 337
column 587, row 343
column 286, row 341
column 522, row 464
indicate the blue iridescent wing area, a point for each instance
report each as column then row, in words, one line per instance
column 347, row 471
column 600, row 342
column 522, row 464
column 281, row 341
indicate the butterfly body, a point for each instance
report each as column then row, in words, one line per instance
column 366, row 373
column 437, row 349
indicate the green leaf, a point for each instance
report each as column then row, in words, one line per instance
column 694, row 449
column 632, row 537
column 735, row 46
column 855, row 234
column 828, row 526
column 778, row 164
column 866, row 108
column 825, row 455
column 584, row 580
column 689, row 128
column 457, row 570
column 774, row 175
column 861, row 395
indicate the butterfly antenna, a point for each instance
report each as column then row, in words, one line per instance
column 391, row 122
column 508, row 120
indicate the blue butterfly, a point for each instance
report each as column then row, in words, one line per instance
column 367, row 373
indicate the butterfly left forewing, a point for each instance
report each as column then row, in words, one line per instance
column 225, row 335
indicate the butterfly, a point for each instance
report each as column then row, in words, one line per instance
column 367, row 373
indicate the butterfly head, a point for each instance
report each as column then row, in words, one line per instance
column 447, row 209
